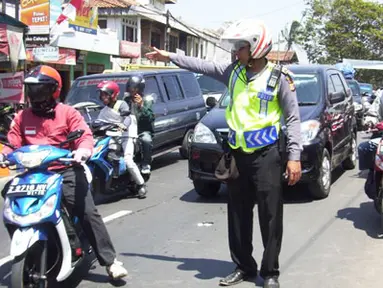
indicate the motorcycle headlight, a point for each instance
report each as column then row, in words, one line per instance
column 358, row 106
column 31, row 159
column 202, row 134
column 46, row 210
column 309, row 130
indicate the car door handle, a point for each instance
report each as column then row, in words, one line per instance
column 186, row 108
column 165, row 111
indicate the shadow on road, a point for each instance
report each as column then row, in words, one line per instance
column 206, row 268
column 364, row 218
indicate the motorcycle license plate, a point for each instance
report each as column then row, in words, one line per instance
column 23, row 190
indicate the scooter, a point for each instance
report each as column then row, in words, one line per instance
column 107, row 165
column 46, row 242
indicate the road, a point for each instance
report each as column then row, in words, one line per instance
column 327, row 243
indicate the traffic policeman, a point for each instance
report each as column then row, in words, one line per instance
column 262, row 94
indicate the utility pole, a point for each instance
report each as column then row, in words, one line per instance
column 167, row 32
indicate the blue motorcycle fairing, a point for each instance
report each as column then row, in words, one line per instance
column 28, row 204
column 98, row 158
column 53, row 155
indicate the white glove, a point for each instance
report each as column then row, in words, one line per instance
column 2, row 160
column 81, row 155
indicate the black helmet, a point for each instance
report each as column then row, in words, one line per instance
column 136, row 82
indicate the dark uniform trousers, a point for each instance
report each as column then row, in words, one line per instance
column 260, row 181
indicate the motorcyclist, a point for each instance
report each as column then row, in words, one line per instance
column 142, row 108
column 114, row 108
column 48, row 122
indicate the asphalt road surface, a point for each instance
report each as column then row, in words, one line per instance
column 176, row 239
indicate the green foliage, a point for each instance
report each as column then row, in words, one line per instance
column 337, row 29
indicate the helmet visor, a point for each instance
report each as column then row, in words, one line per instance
column 39, row 92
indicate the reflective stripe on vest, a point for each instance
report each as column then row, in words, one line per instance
column 117, row 105
column 255, row 114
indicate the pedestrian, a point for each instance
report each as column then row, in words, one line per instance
column 262, row 94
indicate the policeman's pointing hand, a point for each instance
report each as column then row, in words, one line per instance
column 158, row 55
column 293, row 172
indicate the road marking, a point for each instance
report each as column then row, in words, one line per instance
column 106, row 219
column 116, row 215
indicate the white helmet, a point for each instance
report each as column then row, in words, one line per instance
column 251, row 31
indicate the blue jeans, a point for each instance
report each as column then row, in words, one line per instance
column 147, row 146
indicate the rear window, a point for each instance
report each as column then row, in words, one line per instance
column 354, row 87
column 210, row 85
column 308, row 87
column 364, row 87
column 85, row 91
column 190, row 85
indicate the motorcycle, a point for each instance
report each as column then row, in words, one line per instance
column 107, row 165
column 46, row 242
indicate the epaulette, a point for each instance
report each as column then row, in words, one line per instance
column 289, row 78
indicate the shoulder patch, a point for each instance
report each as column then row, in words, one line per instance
column 289, row 78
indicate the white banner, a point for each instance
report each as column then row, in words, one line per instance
column 15, row 42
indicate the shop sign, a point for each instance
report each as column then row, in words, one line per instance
column 52, row 55
column 130, row 49
column 86, row 19
column 11, row 87
column 33, row 41
column 35, row 14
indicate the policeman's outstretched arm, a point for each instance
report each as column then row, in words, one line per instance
column 219, row 71
column 289, row 103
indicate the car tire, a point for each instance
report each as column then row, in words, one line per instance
column 184, row 150
column 206, row 189
column 350, row 162
column 320, row 189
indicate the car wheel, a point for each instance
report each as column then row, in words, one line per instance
column 350, row 162
column 206, row 188
column 320, row 189
column 184, row 150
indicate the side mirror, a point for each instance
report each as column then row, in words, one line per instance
column 4, row 141
column 365, row 94
column 337, row 97
column 211, row 102
column 75, row 135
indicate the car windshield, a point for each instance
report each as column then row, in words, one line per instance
column 308, row 90
column 84, row 92
column 355, row 88
column 365, row 87
column 210, row 85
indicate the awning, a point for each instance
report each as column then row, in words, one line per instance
column 364, row 64
column 100, row 43
column 152, row 15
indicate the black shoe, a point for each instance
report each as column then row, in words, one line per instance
column 271, row 282
column 234, row 278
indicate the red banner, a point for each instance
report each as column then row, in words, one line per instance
column 11, row 87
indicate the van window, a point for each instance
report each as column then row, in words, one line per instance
column 151, row 87
column 337, row 83
column 190, row 85
column 172, row 88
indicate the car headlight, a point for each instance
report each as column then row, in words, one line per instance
column 309, row 130
column 31, row 159
column 202, row 134
column 46, row 210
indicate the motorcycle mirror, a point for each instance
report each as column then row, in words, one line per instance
column 73, row 136
column 4, row 141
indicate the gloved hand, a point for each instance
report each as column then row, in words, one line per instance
column 81, row 155
column 2, row 160
column 122, row 127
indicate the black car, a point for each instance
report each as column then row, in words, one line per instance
column 327, row 123
column 359, row 104
column 178, row 106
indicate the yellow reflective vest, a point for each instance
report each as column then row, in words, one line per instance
column 254, row 113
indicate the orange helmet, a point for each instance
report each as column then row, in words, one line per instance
column 43, row 83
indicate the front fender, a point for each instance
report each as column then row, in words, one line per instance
column 24, row 238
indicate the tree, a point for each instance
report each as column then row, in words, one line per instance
column 337, row 29
column 292, row 35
